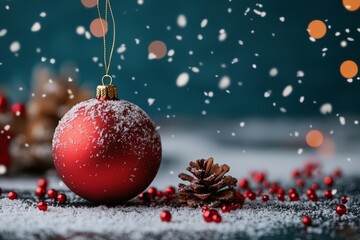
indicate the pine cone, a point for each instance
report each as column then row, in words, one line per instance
column 208, row 186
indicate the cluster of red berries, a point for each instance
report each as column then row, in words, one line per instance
column 40, row 192
column 211, row 215
column 153, row 194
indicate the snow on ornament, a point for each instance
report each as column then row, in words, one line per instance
column 106, row 150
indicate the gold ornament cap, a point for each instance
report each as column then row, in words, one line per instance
column 106, row 91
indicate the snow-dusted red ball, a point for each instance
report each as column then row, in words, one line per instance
column 42, row 206
column 12, row 195
column 106, row 151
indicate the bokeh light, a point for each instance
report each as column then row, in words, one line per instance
column 314, row 138
column 348, row 69
column 97, row 29
column 158, row 49
column 351, row 5
column 89, row 3
column 316, row 29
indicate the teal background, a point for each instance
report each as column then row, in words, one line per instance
column 289, row 51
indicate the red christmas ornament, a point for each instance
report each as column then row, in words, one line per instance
column 328, row 181
column 265, row 198
column 40, row 192
column 340, row 209
column 306, row 220
column 42, row 206
column 106, row 150
column 243, row 183
column 42, row 182
column 165, row 216
column 18, row 109
column 52, row 193
column 344, row 199
column 61, row 198
column 12, row 195
column 328, row 194
column 3, row 103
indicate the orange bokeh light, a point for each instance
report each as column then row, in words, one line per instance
column 314, row 138
column 89, row 3
column 97, row 29
column 348, row 69
column 351, row 5
column 316, row 29
column 158, row 48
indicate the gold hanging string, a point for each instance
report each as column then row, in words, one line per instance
column 107, row 63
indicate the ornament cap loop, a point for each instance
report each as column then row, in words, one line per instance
column 108, row 76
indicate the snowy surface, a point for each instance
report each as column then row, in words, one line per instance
column 256, row 147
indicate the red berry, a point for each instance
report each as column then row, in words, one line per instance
column 306, row 220
column 259, row 192
column 337, row 173
column 42, row 182
column 281, row 197
column 328, row 181
column 226, row 208
column 243, row 183
column 170, row 190
column 240, row 198
column 42, row 206
column 152, row 192
column 259, row 177
column 144, row 196
column 52, row 194
column 300, row 182
column 291, row 190
column 3, row 103
column 217, row 218
column 310, row 192
column 314, row 186
column 272, row 191
column 281, row 191
column 265, row 198
column 246, row 192
column 344, row 199
column 160, row 194
column 61, row 198
column 40, row 192
column 204, row 208
column 12, row 195
column 328, row 194
column 295, row 173
column 314, row 197
column 18, row 109
column 252, row 196
column 340, row 209
column 207, row 215
column 165, row 216
column 294, row 197
column 266, row 184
